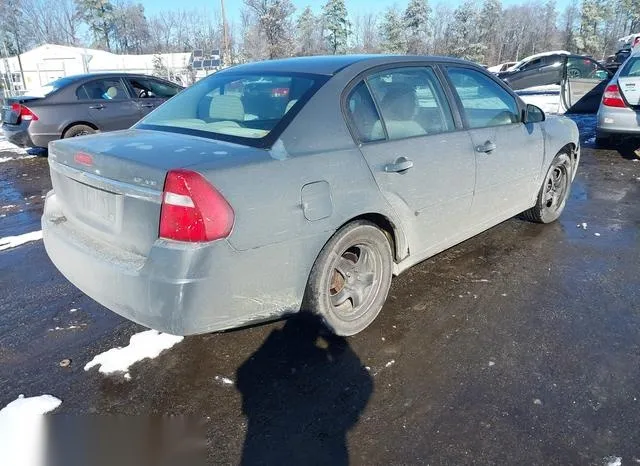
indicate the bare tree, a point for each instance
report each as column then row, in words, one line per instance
column 274, row 20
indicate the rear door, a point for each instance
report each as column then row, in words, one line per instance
column 508, row 153
column 149, row 93
column 585, row 83
column 629, row 81
column 423, row 164
column 108, row 104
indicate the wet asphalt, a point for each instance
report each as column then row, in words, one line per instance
column 519, row 346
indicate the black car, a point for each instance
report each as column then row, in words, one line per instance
column 582, row 79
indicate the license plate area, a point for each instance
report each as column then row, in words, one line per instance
column 99, row 208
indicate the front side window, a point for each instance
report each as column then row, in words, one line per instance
column 150, row 88
column 102, row 89
column 484, row 102
column 411, row 102
column 233, row 105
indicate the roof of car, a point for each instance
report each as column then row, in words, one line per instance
column 328, row 64
column 79, row 77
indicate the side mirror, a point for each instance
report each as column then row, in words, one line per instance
column 533, row 114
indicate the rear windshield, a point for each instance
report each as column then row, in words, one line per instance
column 631, row 68
column 50, row 88
column 235, row 107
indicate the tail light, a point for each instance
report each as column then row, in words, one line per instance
column 612, row 97
column 280, row 92
column 23, row 112
column 193, row 210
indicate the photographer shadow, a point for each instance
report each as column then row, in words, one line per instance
column 302, row 391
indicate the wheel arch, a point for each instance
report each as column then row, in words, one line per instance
column 394, row 233
column 76, row 123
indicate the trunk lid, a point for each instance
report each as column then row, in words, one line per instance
column 110, row 185
column 630, row 89
column 10, row 116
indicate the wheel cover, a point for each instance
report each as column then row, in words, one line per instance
column 556, row 187
column 81, row 133
column 355, row 281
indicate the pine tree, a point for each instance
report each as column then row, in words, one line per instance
column 416, row 20
column 305, row 32
column 593, row 15
column 466, row 43
column 337, row 26
column 99, row 16
column 489, row 27
column 392, row 32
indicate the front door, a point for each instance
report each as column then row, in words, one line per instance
column 509, row 153
column 585, row 83
column 422, row 165
column 108, row 104
column 150, row 93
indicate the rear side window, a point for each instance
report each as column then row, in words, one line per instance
column 102, row 89
column 631, row 68
column 411, row 102
column 363, row 114
column 485, row 102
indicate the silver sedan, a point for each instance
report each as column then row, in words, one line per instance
column 299, row 184
column 619, row 112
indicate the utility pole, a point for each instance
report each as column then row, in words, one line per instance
column 225, row 36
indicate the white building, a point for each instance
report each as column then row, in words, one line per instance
column 49, row 62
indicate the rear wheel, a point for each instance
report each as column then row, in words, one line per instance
column 554, row 191
column 78, row 130
column 350, row 279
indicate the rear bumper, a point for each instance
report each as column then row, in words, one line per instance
column 23, row 135
column 18, row 134
column 181, row 289
column 618, row 121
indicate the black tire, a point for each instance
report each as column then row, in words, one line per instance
column 78, row 130
column 554, row 191
column 350, row 279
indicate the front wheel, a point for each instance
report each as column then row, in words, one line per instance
column 350, row 279
column 554, row 192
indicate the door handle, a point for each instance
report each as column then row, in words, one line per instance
column 401, row 164
column 488, row 146
column 147, row 105
column 97, row 107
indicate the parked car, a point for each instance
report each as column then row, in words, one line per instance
column 80, row 105
column 501, row 67
column 205, row 217
column 578, row 79
column 619, row 112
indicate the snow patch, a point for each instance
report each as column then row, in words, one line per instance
column 390, row 363
column 613, row 461
column 582, row 225
column 22, row 430
column 13, row 241
column 6, row 145
column 148, row 344
column 223, row 380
